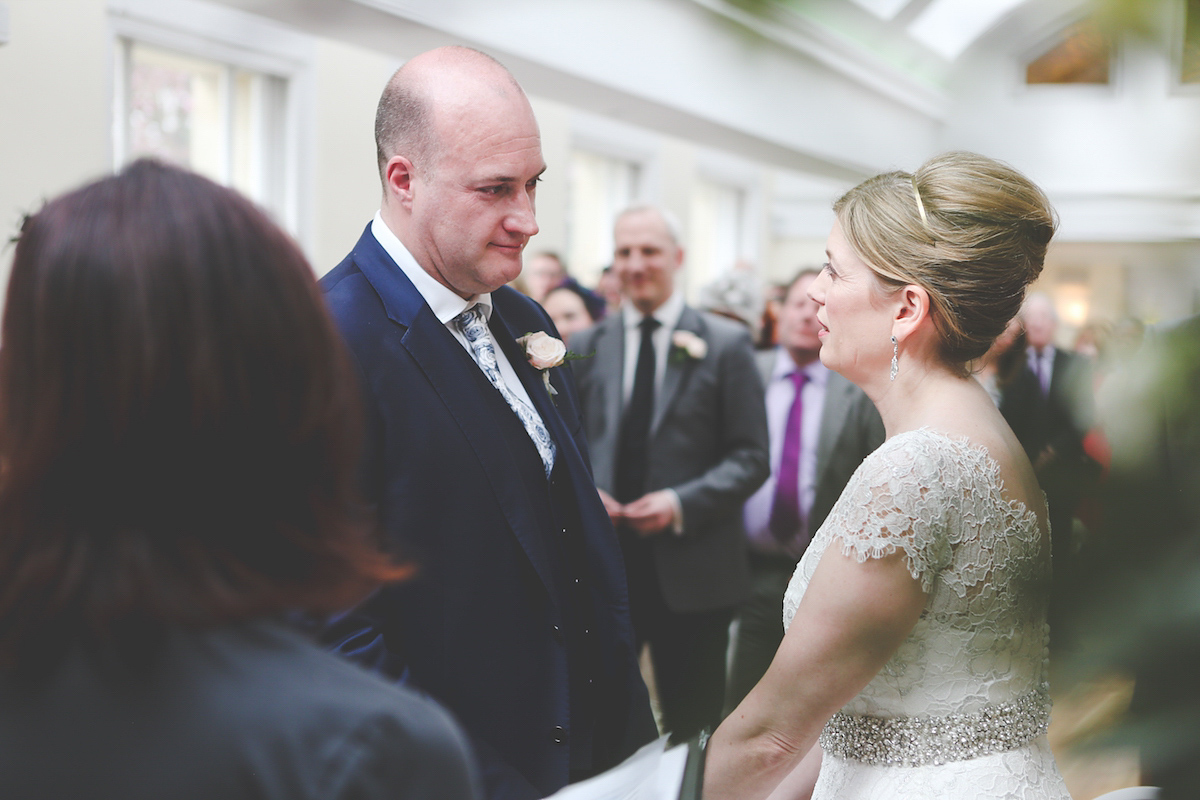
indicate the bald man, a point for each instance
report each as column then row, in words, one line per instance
column 518, row 618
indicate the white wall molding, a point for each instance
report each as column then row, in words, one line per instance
column 1095, row 217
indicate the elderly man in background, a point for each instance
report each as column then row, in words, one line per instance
column 674, row 416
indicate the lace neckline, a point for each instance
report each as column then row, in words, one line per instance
column 981, row 454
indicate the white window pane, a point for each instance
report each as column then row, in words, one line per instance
column 600, row 188
column 175, row 109
column 716, row 242
column 221, row 120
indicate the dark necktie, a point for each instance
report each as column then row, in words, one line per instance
column 1041, row 372
column 785, row 520
column 635, row 426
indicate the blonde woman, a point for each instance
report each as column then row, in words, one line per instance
column 914, row 664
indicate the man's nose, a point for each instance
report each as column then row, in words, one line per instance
column 522, row 218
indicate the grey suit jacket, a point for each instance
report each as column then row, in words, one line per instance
column 708, row 442
column 850, row 431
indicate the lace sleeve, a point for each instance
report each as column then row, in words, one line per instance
column 900, row 499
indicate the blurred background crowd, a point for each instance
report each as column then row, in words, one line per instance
column 745, row 118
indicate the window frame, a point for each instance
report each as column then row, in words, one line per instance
column 241, row 41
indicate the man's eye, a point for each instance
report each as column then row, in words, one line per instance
column 492, row 190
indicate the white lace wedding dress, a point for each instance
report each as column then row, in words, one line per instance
column 960, row 711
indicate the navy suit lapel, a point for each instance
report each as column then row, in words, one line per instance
column 447, row 365
column 535, row 387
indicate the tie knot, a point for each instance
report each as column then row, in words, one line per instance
column 799, row 378
column 470, row 315
column 649, row 324
column 471, row 322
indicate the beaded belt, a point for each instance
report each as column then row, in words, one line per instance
column 919, row 741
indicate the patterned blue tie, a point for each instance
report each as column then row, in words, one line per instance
column 473, row 326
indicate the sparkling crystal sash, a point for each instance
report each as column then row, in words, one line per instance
column 925, row 740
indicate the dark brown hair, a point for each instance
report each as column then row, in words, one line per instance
column 179, row 428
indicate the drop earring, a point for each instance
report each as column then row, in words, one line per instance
column 895, row 359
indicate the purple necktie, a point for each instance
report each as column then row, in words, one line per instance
column 785, row 521
column 1040, row 372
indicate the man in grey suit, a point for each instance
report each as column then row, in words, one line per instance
column 673, row 411
column 816, row 444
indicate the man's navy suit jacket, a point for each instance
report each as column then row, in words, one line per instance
column 480, row 627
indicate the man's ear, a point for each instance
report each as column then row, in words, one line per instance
column 398, row 179
column 913, row 308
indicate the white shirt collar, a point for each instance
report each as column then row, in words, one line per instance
column 667, row 314
column 445, row 304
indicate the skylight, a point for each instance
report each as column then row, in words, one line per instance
column 948, row 27
column 884, row 9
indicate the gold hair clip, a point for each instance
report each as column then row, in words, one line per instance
column 920, row 205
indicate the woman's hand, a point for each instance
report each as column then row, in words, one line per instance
column 852, row 618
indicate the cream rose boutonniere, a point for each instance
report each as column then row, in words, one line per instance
column 689, row 344
column 544, row 352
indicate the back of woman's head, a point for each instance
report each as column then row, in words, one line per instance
column 970, row 230
column 178, row 425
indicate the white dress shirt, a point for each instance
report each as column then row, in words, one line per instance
column 668, row 317
column 780, row 393
column 446, row 305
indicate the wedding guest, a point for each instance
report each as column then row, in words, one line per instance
column 546, row 272
column 1005, row 375
column 821, row 428
column 1065, row 471
column 916, row 621
column 543, row 272
column 179, row 438
column 609, row 288
column 674, row 415
column 568, row 309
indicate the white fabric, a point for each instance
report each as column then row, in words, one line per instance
column 982, row 638
column 446, row 305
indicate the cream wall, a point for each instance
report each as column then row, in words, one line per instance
column 54, row 89
column 345, row 176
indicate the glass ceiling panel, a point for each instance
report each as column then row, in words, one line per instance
column 884, row 9
column 948, row 27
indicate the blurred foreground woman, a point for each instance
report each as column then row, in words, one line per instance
column 178, row 447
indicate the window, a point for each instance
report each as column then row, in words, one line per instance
column 1081, row 55
column 1190, row 68
column 217, row 91
column 222, row 121
column 600, row 187
column 718, row 239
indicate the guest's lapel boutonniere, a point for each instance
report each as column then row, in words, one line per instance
column 544, row 352
column 687, row 345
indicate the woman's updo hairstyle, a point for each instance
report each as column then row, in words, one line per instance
column 969, row 230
